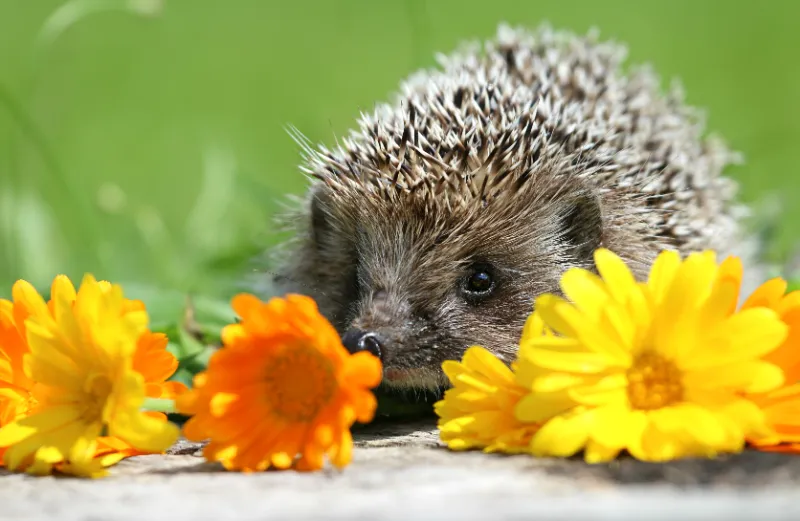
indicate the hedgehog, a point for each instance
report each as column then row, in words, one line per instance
column 435, row 224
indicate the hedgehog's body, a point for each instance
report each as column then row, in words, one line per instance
column 440, row 220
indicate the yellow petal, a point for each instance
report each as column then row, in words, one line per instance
column 63, row 296
column 564, row 318
column 585, row 289
column 132, row 425
column 551, row 382
column 750, row 377
column 85, row 446
column 597, row 453
column 43, row 461
column 768, row 294
column 724, row 294
column 612, row 425
column 619, row 279
column 526, row 372
column 144, row 432
column 599, row 391
column 485, row 362
column 656, row 446
column 696, row 421
column 747, row 416
column 27, row 296
column 62, row 289
column 534, row 328
column 620, row 328
column 41, row 422
column 60, row 439
column 676, row 315
column 562, row 436
column 50, row 368
column 746, row 335
column 589, row 363
column 691, row 285
column 538, row 407
column 662, row 272
column 477, row 383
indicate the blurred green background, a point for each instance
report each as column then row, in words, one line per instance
column 144, row 140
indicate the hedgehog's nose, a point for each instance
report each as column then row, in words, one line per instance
column 356, row 340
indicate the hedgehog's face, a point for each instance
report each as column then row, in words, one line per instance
column 418, row 284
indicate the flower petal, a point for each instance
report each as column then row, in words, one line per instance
column 563, row 436
column 565, row 318
column 746, row 335
column 663, row 272
column 485, row 362
column 585, row 289
column 755, row 376
column 589, row 363
column 43, row 422
column 362, row 369
column 619, row 280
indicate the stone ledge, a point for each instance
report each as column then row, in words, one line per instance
column 402, row 472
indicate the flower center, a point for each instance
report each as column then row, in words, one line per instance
column 653, row 382
column 30, row 404
column 300, row 383
column 98, row 387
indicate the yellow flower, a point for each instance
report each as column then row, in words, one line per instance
column 282, row 386
column 658, row 369
column 477, row 412
column 156, row 365
column 151, row 359
column 79, row 350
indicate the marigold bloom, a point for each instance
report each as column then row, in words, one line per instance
column 79, row 349
column 282, row 386
column 781, row 406
column 657, row 368
column 16, row 400
column 156, row 365
column 477, row 412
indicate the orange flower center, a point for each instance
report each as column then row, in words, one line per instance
column 31, row 403
column 653, row 382
column 98, row 388
column 300, row 383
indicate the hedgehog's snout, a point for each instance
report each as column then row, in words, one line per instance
column 356, row 340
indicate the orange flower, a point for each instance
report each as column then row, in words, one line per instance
column 157, row 364
column 16, row 400
column 151, row 359
column 282, row 386
column 781, row 406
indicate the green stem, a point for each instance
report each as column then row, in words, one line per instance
column 159, row 405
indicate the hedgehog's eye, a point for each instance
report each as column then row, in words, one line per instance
column 479, row 283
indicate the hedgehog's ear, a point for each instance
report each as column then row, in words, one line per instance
column 582, row 225
column 319, row 213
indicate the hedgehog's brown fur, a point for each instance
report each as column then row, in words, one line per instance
column 525, row 155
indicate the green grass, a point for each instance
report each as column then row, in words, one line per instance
column 150, row 149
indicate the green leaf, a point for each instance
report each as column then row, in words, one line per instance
column 189, row 345
column 184, row 376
